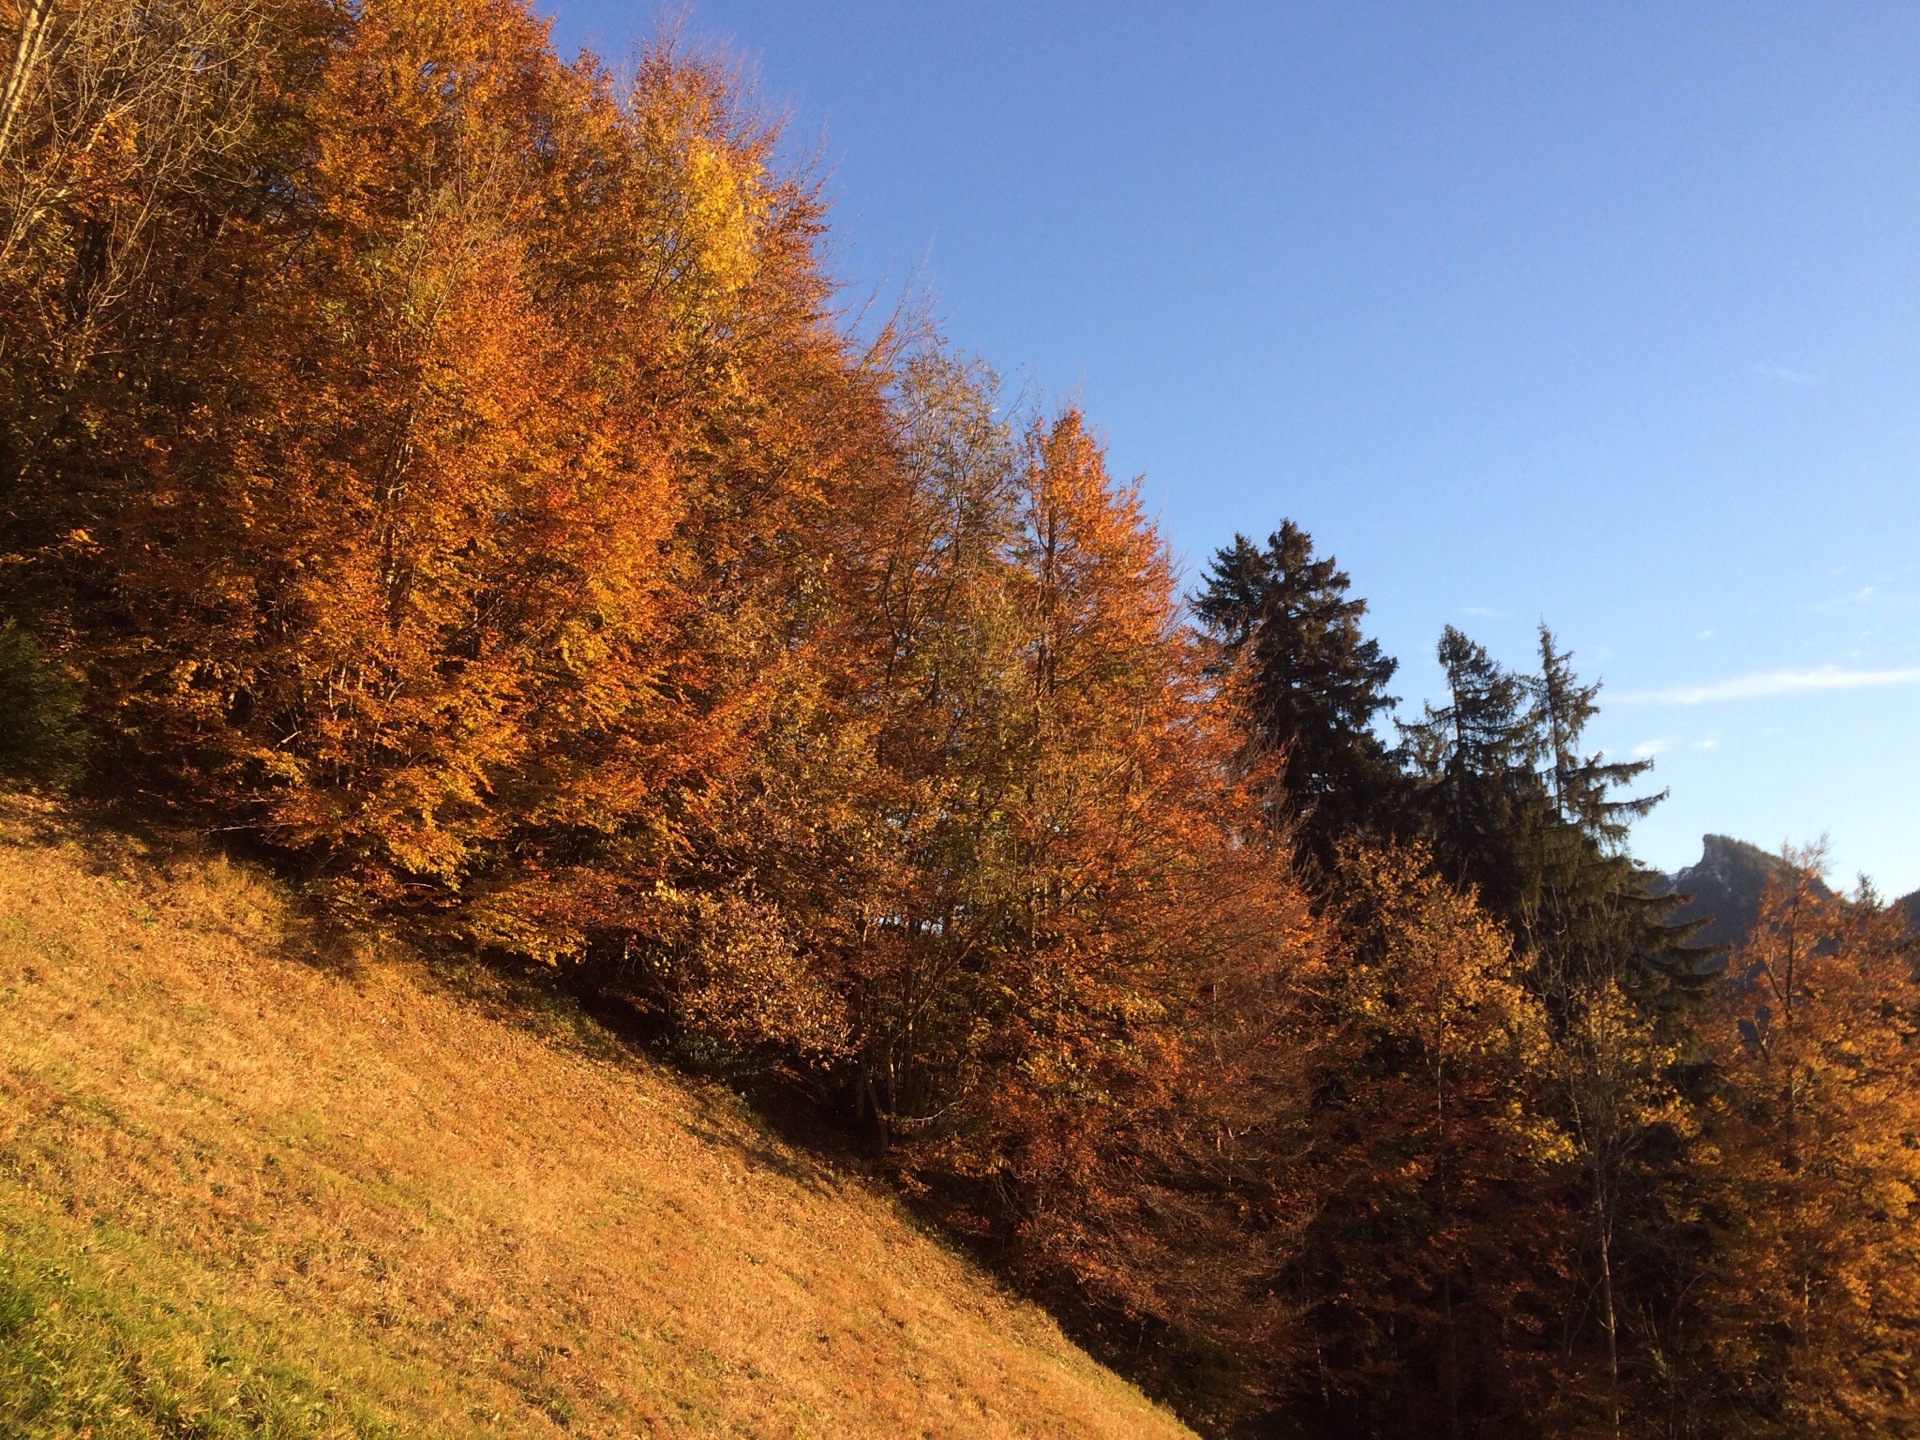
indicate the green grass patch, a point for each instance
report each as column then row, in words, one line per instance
column 89, row 1353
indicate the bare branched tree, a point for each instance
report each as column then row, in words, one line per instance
column 28, row 52
column 115, row 113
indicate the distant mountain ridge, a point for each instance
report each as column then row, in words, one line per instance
column 1725, row 885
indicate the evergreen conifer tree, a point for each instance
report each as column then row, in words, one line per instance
column 1593, row 915
column 1314, row 682
column 1519, row 810
column 1581, row 785
column 1475, row 762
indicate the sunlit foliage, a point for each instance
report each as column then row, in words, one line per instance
column 449, row 472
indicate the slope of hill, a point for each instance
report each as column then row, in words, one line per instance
column 248, row 1187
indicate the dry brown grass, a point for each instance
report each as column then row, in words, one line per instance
column 436, row 1214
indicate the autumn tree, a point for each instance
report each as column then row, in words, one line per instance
column 121, row 125
column 936, row 907
column 1429, row 1276
column 132, row 137
column 447, row 469
column 1808, row 1310
column 1062, row 1035
column 446, row 531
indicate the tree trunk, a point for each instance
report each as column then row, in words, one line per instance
column 27, row 53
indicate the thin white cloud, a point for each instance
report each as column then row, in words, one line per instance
column 1789, row 377
column 1859, row 596
column 1770, row 684
column 1482, row 612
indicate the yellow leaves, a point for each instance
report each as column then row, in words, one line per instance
column 704, row 200
column 1812, row 1164
column 1429, row 961
column 1538, row 1137
column 419, row 847
column 736, row 975
column 725, row 199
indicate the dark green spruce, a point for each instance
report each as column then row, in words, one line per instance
column 1315, row 683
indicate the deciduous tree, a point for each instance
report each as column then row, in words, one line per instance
column 1809, row 1309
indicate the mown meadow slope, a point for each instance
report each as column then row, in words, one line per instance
column 253, row 1181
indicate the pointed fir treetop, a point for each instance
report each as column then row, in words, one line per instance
column 1315, row 683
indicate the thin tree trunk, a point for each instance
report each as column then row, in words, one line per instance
column 1453, row 1358
column 1446, row 1276
column 1604, row 1226
column 26, row 58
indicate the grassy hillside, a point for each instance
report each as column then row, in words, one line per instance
column 249, row 1186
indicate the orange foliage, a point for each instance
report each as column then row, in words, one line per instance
column 444, row 467
column 1810, row 1308
column 461, row 559
column 1430, row 1275
column 1147, row 1088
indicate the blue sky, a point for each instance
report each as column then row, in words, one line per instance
column 1602, row 313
